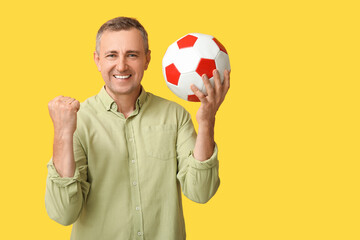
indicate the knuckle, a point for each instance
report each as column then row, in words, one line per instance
column 68, row 107
column 60, row 106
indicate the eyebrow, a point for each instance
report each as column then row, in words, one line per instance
column 129, row 51
column 111, row 51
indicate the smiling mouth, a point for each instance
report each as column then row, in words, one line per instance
column 122, row 76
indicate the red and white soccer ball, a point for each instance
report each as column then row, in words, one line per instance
column 187, row 59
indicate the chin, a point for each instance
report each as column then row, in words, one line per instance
column 126, row 90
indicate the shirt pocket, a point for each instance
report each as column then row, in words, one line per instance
column 160, row 141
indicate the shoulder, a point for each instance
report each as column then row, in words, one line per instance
column 165, row 111
column 163, row 103
column 91, row 111
column 90, row 106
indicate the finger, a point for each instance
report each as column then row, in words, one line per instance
column 54, row 102
column 76, row 105
column 61, row 99
column 217, row 82
column 70, row 101
column 57, row 98
column 209, row 88
column 67, row 100
column 226, row 80
column 201, row 96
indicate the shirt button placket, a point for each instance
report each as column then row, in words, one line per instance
column 134, row 178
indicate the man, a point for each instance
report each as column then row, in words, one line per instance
column 121, row 160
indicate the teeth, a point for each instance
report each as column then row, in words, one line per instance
column 122, row 77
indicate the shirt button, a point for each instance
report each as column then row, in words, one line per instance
column 133, row 161
column 134, row 183
column 140, row 233
column 137, row 208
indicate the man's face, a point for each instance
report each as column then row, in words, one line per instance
column 122, row 61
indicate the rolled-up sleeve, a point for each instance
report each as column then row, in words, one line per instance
column 199, row 180
column 65, row 196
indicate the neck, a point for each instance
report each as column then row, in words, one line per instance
column 126, row 103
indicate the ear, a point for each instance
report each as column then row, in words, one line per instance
column 97, row 61
column 148, row 58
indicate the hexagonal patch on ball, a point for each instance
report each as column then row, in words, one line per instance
column 187, row 41
column 172, row 74
column 222, row 48
column 206, row 66
column 193, row 98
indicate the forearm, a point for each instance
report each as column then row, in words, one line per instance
column 65, row 195
column 63, row 113
column 205, row 116
column 63, row 199
column 204, row 145
column 63, row 154
column 199, row 179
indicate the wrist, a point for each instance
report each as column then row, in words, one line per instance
column 63, row 135
column 207, row 124
column 64, row 169
column 206, row 130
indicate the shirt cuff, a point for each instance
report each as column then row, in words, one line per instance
column 63, row 181
column 207, row 164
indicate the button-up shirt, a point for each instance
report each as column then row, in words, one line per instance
column 130, row 172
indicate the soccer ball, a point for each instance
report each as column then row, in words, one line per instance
column 187, row 59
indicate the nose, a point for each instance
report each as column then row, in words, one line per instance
column 121, row 64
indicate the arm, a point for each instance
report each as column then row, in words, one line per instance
column 63, row 113
column 198, row 171
column 66, row 185
column 205, row 116
column 199, row 180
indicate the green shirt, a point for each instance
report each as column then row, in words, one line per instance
column 130, row 172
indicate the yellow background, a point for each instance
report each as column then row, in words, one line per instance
column 288, row 131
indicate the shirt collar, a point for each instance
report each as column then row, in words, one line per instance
column 142, row 98
column 108, row 101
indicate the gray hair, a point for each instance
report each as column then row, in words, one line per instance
column 122, row 23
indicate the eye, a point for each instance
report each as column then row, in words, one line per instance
column 132, row 55
column 110, row 56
